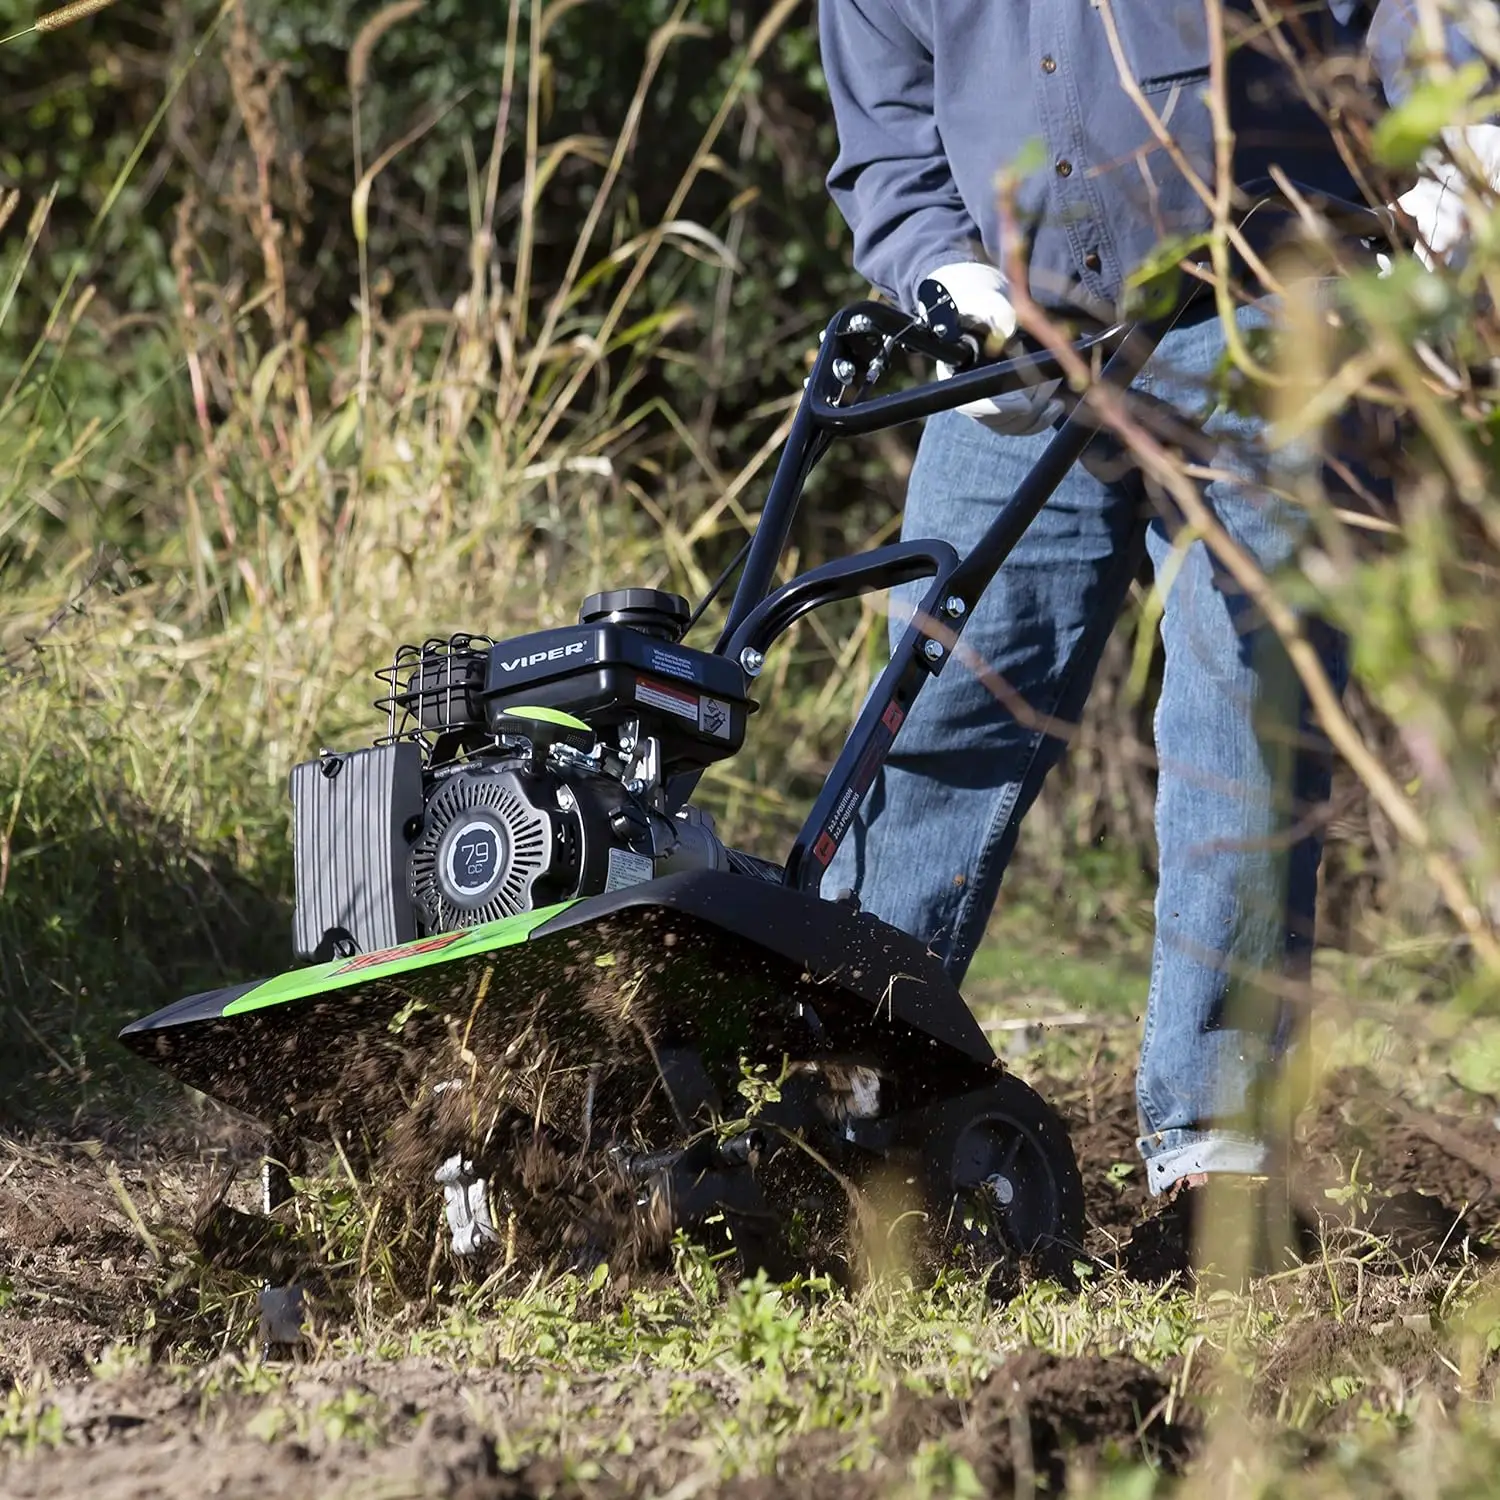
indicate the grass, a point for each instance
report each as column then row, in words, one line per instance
column 212, row 529
column 1354, row 1376
column 1091, row 953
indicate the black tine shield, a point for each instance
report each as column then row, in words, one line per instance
column 736, row 970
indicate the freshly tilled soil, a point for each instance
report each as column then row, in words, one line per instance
column 91, row 1275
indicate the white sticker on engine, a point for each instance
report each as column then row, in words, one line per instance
column 626, row 867
column 713, row 718
column 678, row 666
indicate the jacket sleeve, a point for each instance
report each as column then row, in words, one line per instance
column 890, row 180
column 1393, row 34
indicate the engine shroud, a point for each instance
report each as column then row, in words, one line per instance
column 694, row 703
column 484, row 843
column 387, row 852
column 608, row 671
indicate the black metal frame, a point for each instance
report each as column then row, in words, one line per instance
column 855, row 351
column 864, row 338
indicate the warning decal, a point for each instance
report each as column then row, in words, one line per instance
column 713, row 718
column 669, row 699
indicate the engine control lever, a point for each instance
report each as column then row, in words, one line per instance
column 946, row 322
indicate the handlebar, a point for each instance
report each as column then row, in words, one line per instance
column 857, row 347
column 860, row 341
column 1356, row 221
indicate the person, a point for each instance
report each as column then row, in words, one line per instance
column 931, row 103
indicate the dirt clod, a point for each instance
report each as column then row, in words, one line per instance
column 1033, row 1422
column 1046, row 1414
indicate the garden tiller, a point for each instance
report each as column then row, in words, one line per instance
column 516, row 927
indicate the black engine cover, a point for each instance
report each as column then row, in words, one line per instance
column 486, row 839
column 694, row 702
column 387, row 852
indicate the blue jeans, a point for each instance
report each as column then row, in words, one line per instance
column 1241, row 769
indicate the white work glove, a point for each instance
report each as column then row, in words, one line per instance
column 1437, row 203
column 975, row 292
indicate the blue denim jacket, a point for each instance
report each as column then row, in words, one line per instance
column 933, row 98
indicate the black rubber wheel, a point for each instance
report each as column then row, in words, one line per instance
column 1002, row 1178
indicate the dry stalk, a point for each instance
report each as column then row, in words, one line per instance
column 1160, row 466
column 765, row 33
column 56, row 20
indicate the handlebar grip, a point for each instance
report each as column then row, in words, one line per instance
column 960, row 351
column 1361, row 221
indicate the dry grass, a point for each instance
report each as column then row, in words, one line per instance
column 203, row 575
column 202, row 567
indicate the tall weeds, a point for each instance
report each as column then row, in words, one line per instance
column 207, row 556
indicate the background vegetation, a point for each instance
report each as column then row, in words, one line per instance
column 323, row 328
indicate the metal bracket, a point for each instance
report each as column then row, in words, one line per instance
column 466, row 1204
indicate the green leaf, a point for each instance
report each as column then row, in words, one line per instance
column 345, row 425
column 1476, row 1060
column 1166, row 256
column 397, row 1023
column 1401, row 136
column 265, row 374
column 268, row 1423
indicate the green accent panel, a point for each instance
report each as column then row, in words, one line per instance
column 340, row 973
column 549, row 716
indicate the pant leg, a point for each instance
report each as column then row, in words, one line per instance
column 930, row 845
column 1242, row 770
column 1243, row 776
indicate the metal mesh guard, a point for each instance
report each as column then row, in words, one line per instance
column 433, row 688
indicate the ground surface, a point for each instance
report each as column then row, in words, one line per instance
column 128, row 1364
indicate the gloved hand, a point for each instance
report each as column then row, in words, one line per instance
column 1436, row 203
column 975, row 294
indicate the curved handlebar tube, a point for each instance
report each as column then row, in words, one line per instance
column 844, row 578
column 928, row 642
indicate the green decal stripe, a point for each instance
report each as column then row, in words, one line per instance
column 341, row 973
column 549, row 716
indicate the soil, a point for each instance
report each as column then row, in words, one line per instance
column 1429, row 1183
column 1441, row 1172
column 1099, row 1112
column 85, row 1228
column 1037, row 1421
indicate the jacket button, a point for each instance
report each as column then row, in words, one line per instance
column 1049, row 65
column 1092, row 261
column 1065, row 168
